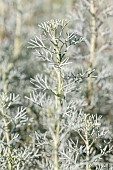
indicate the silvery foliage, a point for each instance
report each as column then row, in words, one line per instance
column 75, row 125
column 81, row 18
column 13, row 117
column 102, row 91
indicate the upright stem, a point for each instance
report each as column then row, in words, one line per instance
column 90, row 90
column 55, row 145
column 86, row 141
column 17, row 32
column 92, row 47
column 87, row 145
column 2, row 24
column 4, row 73
column 6, row 129
column 58, row 107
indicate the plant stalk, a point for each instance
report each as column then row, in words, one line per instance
column 92, row 48
column 6, row 129
column 58, row 107
column 87, row 144
column 17, row 43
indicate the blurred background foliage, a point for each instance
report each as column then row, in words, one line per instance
column 19, row 22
